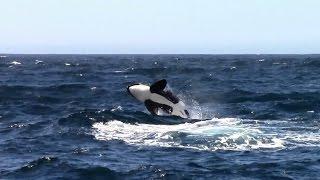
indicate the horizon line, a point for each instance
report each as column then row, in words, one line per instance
column 159, row 53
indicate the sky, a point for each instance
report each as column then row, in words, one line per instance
column 160, row 26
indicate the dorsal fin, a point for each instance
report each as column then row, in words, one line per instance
column 158, row 86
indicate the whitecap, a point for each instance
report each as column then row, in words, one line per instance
column 15, row 63
column 118, row 108
column 38, row 61
column 17, row 125
column 279, row 63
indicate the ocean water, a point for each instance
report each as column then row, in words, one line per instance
column 70, row 117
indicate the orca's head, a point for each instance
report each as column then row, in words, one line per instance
column 139, row 91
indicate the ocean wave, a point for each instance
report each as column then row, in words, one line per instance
column 38, row 109
column 164, row 70
column 240, row 96
column 311, row 62
column 93, row 173
column 42, row 96
column 298, row 106
column 38, row 163
column 67, row 87
column 53, row 168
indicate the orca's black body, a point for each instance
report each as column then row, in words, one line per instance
column 156, row 97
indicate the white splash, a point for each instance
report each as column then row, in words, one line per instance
column 303, row 139
column 194, row 108
column 227, row 134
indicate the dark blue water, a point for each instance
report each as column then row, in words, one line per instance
column 69, row 116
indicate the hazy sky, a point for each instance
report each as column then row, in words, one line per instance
column 160, row 26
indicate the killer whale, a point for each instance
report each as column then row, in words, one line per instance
column 156, row 98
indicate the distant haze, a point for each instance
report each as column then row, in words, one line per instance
column 160, row 26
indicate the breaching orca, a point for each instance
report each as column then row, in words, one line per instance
column 156, row 98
